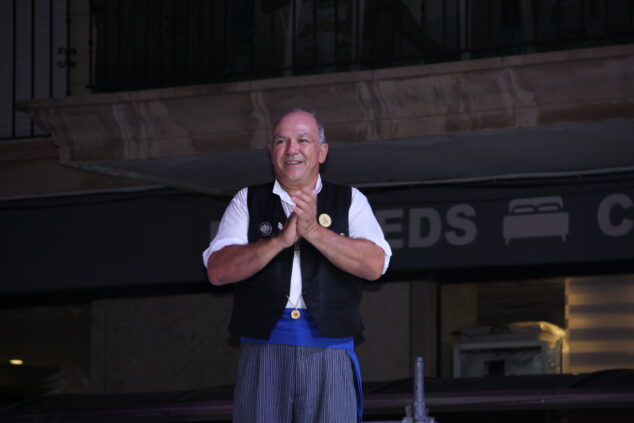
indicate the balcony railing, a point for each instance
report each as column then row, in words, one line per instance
column 35, row 59
column 148, row 44
column 139, row 44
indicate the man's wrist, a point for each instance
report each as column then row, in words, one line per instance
column 278, row 243
column 275, row 243
column 315, row 234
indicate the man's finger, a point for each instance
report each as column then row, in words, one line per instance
column 292, row 220
column 302, row 207
column 289, row 231
column 304, row 196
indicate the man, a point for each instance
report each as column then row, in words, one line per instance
column 298, row 250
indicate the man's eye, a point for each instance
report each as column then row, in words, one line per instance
column 303, row 140
column 280, row 141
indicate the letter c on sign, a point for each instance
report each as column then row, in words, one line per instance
column 603, row 215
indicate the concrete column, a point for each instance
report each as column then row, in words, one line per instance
column 423, row 324
column 400, row 324
column 384, row 348
column 459, row 309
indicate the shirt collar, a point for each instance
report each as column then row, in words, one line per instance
column 284, row 196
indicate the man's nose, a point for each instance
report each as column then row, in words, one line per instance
column 291, row 147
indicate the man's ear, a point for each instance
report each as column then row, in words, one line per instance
column 323, row 152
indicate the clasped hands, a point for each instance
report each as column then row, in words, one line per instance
column 302, row 223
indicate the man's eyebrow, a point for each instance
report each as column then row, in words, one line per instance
column 305, row 135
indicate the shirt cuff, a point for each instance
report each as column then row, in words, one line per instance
column 218, row 245
column 379, row 240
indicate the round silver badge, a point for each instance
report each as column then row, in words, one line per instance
column 266, row 228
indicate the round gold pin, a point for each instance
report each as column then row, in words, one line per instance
column 295, row 314
column 325, row 220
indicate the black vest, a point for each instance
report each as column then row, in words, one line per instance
column 331, row 295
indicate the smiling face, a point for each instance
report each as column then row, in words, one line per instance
column 296, row 152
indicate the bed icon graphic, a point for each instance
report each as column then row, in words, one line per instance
column 536, row 217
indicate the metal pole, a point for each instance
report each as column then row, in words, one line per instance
column 32, row 133
column 420, row 410
column 50, row 48
column 14, row 73
column 69, row 49
column 91, row 22
column 419, row 400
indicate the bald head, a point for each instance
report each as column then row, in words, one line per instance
column 318, row 125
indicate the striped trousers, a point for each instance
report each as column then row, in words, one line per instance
column 294, row 384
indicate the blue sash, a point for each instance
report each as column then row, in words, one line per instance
column 304, row 332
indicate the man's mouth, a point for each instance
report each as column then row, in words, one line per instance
column 292, row 162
